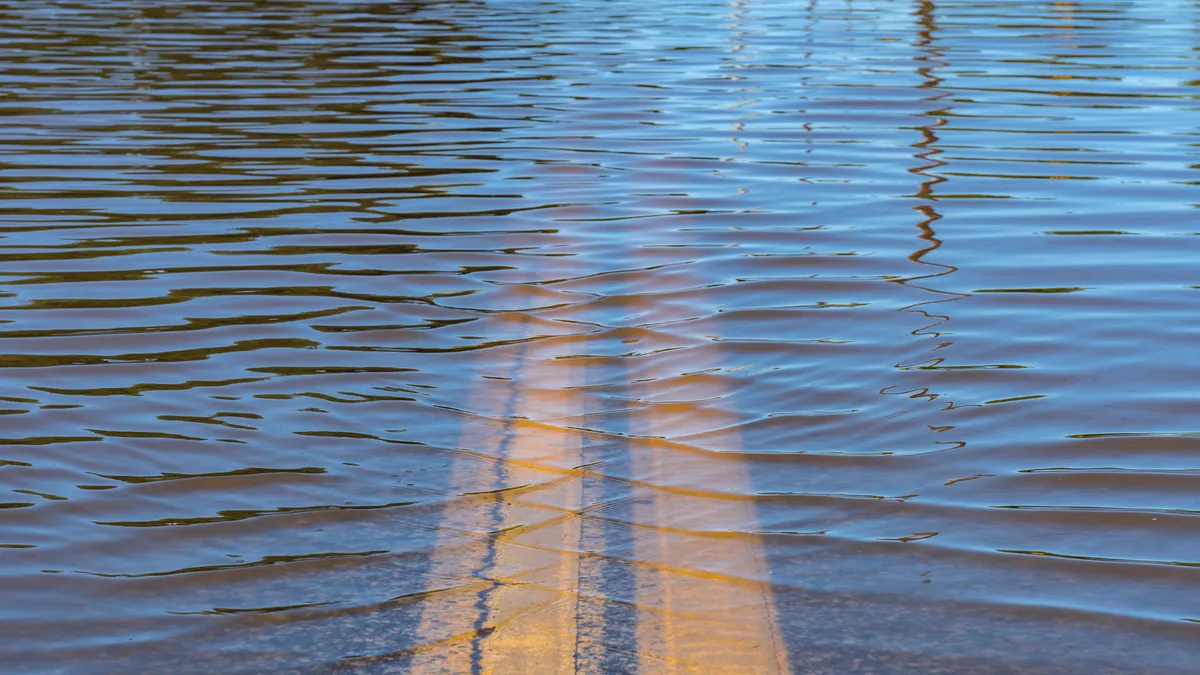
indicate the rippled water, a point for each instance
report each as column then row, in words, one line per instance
column 599, row 336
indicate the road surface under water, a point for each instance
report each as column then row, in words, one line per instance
column 696, row 336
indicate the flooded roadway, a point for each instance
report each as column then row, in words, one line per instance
column 599, row 336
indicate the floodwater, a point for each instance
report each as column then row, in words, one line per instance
column 600, row 336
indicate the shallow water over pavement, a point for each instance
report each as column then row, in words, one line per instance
column 601, row 337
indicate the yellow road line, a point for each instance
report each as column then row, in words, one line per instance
column 522, row 618
column 705, row 597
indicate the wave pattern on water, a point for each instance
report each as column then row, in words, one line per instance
column 745, row 336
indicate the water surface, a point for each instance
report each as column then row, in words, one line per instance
column 696, row 336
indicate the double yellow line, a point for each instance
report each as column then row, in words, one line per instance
column 518, row 581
